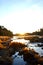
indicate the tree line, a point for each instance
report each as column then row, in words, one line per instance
column 5, row 32
column 38, row 32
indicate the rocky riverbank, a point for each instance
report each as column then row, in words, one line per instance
column 30, row 56
column 7, row 52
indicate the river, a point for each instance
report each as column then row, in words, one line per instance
column 18, row 60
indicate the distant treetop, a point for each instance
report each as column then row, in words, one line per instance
column 38, row 32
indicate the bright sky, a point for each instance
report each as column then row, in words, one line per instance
column 21, row 16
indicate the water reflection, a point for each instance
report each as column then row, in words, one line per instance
column 18, row 60
column 30, row 45
column 21, row 40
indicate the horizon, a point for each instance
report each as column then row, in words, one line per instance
column 21, row 16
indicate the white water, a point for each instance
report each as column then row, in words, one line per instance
column 29, row 45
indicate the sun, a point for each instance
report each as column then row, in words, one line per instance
column 21, row 33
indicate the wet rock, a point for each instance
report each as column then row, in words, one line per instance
column 40, row 45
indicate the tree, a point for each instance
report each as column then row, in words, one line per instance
column 5, row 32
column 38, row 32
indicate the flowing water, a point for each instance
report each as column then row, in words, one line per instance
column 18, row 60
